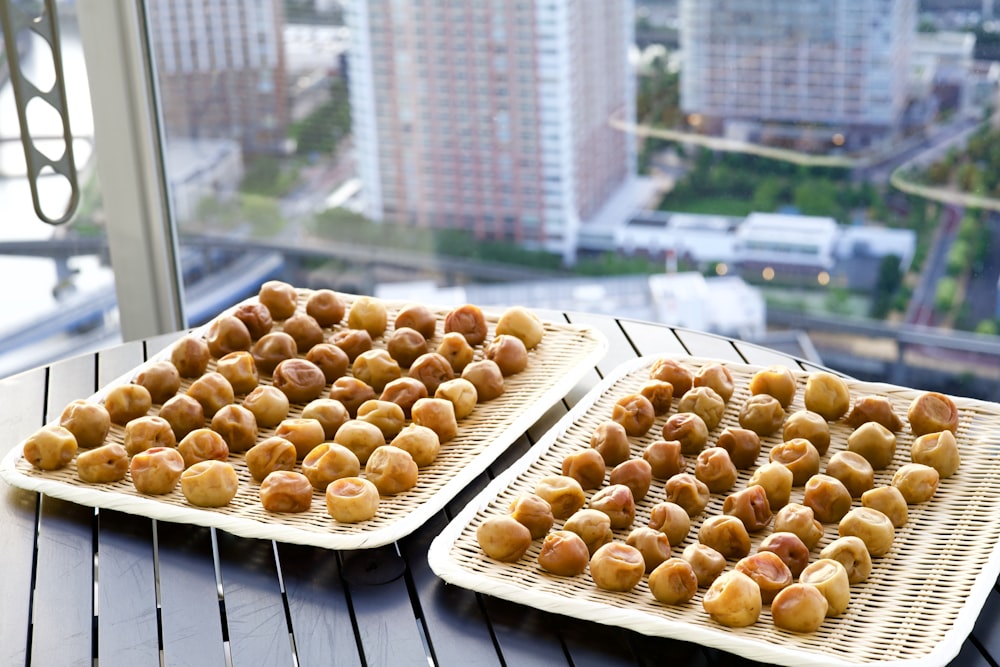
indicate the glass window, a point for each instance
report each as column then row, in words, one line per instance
column 292, row 127
column 60, row 296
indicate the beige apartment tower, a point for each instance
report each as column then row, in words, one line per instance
column 493, row 116
column 820, row 74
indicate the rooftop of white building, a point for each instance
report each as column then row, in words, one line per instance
column 880, row 241
column 788, row 223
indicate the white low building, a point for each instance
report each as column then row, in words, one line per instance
column 689, row 236
column 314, row 47
column 199, row 169
column 775, row 244
column 942, row 66
column 790, row 240
column 727, row 306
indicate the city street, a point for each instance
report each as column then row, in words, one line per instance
column 318, row 181
column 921, row 308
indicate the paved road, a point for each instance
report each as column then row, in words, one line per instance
column 938, row 141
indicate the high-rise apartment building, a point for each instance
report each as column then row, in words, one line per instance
column 221, row 70
column 493, row 116
column 814, row 73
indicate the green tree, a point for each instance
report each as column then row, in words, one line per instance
column 947, row 292
column 838, row 301
column 977, row 239
column 878, row 209
column 987, row 44
column 610, row 263
column 988, row 327
column 211, row 212
column 958, row 258
column 993, row 155
column 658, row 96
column 269, row 176
column 704, row 160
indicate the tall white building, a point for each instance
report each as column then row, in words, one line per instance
column 819, row 73
column 493, row 116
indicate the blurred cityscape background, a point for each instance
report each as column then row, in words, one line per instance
column 821, row 176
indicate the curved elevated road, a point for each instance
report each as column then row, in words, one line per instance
column 302, row 248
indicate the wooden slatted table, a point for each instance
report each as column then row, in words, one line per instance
column 97, row 587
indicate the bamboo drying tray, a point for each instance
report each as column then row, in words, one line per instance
column 565, row 354
column 917, row 607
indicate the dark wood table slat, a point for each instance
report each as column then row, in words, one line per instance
column 649, row 652
column 516, row 450
column 809, row 366
column 526, row 636
column 127, row 625
column 321, row 620
column 515, row 642
column 971, row 656
column 156, row 344
column 591, row 644
column 255, row 609
column 191, row 618
column 757, row 355
column 22, row 398
column 587, row 382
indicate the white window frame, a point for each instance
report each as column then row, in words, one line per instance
column 142, row 238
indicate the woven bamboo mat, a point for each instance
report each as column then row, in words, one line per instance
column 917, row 607
column 565, row 354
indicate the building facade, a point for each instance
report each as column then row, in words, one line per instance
column 221, row 71
column 813, row 74
column 783, row 247
column 493, row 116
